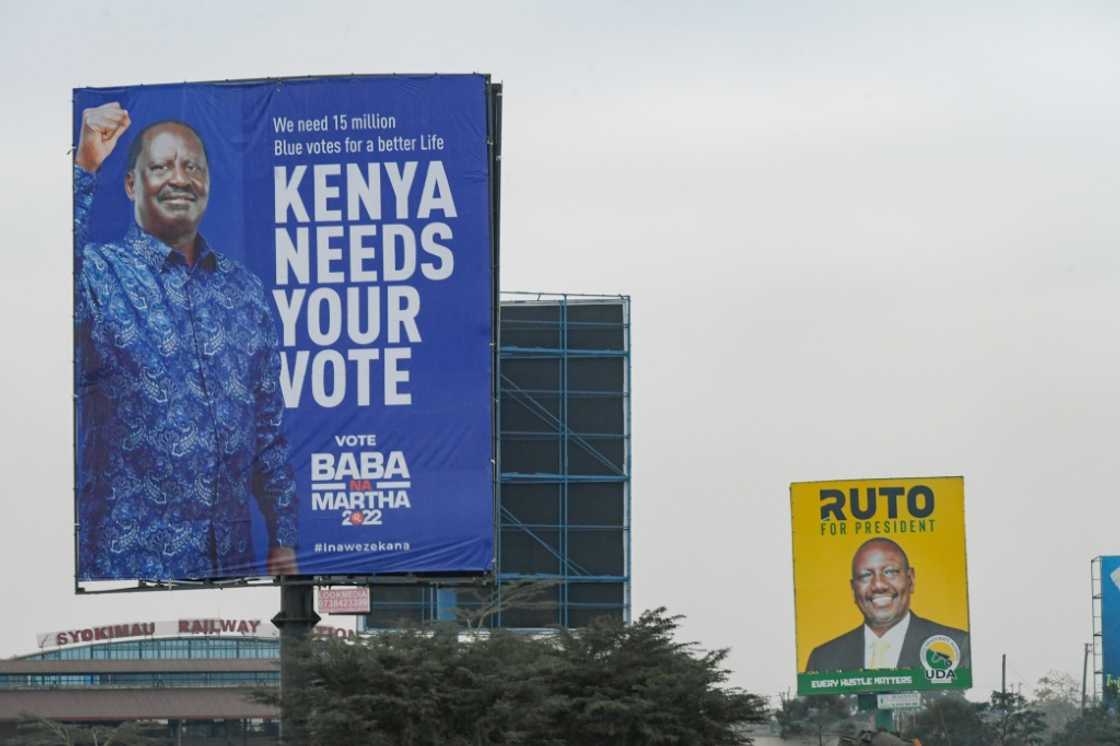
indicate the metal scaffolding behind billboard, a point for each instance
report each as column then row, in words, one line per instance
column 564, row 425
column 562, row 528
column 1098, row 649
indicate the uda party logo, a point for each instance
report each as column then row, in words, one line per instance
column 940, row 657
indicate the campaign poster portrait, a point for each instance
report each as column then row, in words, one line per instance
column 284, row 303
column 1110, row 629
column 881, row 585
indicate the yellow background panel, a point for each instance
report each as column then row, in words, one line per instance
column 822, row 556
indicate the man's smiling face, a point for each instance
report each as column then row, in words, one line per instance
column 170, row 183
column 882, row 581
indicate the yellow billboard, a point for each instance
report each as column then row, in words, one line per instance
column 881, row 585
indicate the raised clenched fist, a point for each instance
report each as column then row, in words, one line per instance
column 102, row 126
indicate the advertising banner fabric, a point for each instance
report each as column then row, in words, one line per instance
column 881, row 585
column 284, row 301
column 1110, row 628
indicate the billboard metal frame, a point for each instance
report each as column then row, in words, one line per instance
column 570, row 571
column 1097, row 591
column 493, row 94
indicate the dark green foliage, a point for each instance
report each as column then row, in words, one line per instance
column 951, row 721
column 637, row 685
column 815, row 716
column 1010, row 720
column 1014, row 722
column 1094, row 727
column 606, row 684
column 1007, row 720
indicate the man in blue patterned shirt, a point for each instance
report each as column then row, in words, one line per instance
column 179, row 408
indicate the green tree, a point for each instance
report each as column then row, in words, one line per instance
column 1014, row 722
column 951, row 720
column 1058, row 697
column 609, row 683
column 815, row 716
column 1006, row 720
column 636, row 684
column 1093, row 727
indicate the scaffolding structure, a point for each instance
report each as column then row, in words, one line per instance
column 562, row 496
column 564, row 456
column 1098, row 634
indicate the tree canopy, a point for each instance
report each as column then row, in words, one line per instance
column 609, row 683
column 816, row 716
column 1096, row 726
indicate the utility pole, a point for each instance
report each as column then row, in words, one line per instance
column 1003, row 678
column 1085, row 674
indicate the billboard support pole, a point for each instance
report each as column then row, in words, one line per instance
column 295, row 621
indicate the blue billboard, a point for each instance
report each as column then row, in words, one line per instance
column 284, row 297
column 1110, row 628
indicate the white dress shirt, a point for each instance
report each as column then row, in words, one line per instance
column 889, row 645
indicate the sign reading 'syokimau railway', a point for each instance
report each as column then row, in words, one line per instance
column 212, row 627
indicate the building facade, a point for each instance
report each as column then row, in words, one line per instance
column 195, row 677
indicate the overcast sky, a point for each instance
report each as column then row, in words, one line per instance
column 861, row 239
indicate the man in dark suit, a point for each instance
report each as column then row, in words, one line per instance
column 891, row 635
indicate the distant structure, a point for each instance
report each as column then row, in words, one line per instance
column 193, row 675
